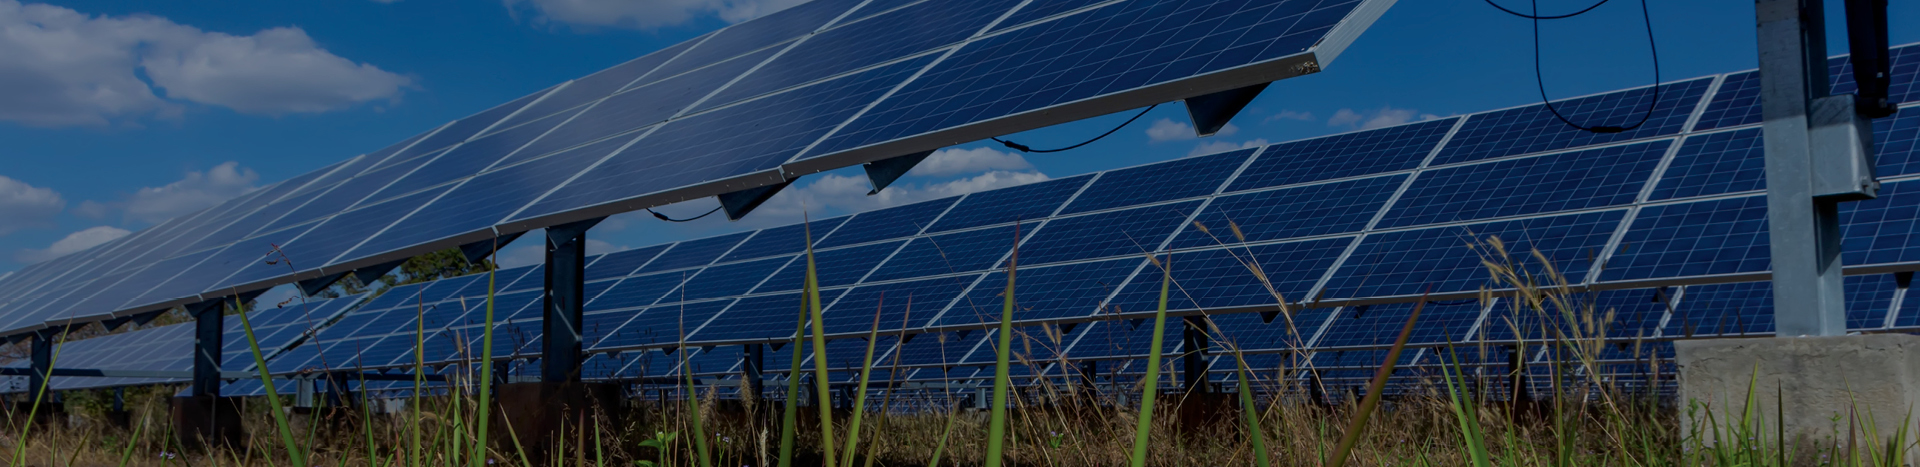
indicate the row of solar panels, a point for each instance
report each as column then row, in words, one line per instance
column 822, row 85
column 1302, row 206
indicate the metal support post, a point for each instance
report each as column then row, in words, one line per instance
column 751, row 361
column 42, row 362
column 565, row 295
column 120, row 399
column 1195, row 356
column 209, row 337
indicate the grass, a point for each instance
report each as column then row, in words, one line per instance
column 1455, row 416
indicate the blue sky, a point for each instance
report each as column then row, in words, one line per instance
column 117, row 115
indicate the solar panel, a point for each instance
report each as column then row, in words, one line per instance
column 1028, row 203
column 1226, row 279
column 1694, row 239
column 1129, row 232
column 1440, row 259
column 831, row 267
column 1041, row 293
column 1301, row 211
column 1569, row 181
column 1180, row 179
column 968, row 251
column 1353, row 154
column 1531, row 128
column 170, row 347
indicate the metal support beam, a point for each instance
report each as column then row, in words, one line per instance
column 566, row 272
column 209, row 337
column 751, row 361
column 739, row 203
column 1211, row 112
column 1194, row 340
column 41, row 361
column 1803, row 223
column 885, row 171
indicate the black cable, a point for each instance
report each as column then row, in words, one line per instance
column 1024, row 148
column 1540, row 80
column 690, row 219
column 1536, row 11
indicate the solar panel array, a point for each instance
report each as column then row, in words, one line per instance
column 170, row 347
column 1664, row 227
column 807, row 89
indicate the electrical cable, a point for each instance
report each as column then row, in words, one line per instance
column 690, row 219
column 1540, row 81
column 1024, row 148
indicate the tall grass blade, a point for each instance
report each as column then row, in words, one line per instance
column 819, row 355
column 1250, row 413
column 295, row 453
column 860, row 392
column 693, row 399
column 1150, row 389
column 127, row 455
column 1374, row 390
column 997, row 423
column 484, row 409
column 787, row 416
column 39, row 395
column 1464, row 411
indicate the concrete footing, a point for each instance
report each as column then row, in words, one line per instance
column 537, row 412
column 1808, row 381
column 209, row 420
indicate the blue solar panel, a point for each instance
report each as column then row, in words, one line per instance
column 1593, row 178
column 448, row 288
column 694, row 253
column 320, row 246
column 939, row 348
column 851, row 46
column 751, row 137
column 1106, row 50
column 1715, row 163
column 1532, row 129
column 968, row 251
column 1409, row 262
column 831, row 267
column 728, row 280
column 782, row 240
column 1034, row 348
column 901, row 302
column 598, row 85
column 1225, row 278
column 662, row 325
column 463, row 129
column 1904, row 77
column 1439, row 323
column 1185, row 178
column 622, row 263
column 754, row 35
column 643, row 106
column 470, row 158
column 1692, row 239
column 1634, row 314
column 637, row 291
column 714, row 360
column 762, row 317
column 1723, row 309
column 1869, row 299
column 1130, row 232
column 1894, row 139
column 1881, row 230
column 1042, row 293
column 1344, row 155
column 1737, row 103
column 1107, row 339
column 1311, row 210
column 1026, row 203
column 887, row 223
column 1039, row 10
column 1250, row 331
column 341, row 197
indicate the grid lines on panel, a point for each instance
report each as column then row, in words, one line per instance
column 1129, row 232
column 1715, row 163
column 1448, row 259
column 1220, row 279
column 1382, row 150
column 1593, row 178
column 1043, row 293
column 1184, row 178
column 1305, row 211
column 1690, row 239
column 1532, row 129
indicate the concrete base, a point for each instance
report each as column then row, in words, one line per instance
column 200, row 421
column 538, row 412
column 1816, row 378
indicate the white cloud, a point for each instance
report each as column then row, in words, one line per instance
column 195, row 191
column 1290, row 115
column 73, row 242
column 1224, row 146
column 24, row 205
column 60, row 67
column 648, row 14
column 1167, row 129
column 953, row 161
column 1384, row 117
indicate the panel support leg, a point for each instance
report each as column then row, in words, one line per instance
column 751, row 361
column 203, row 417
column 564, row 301
column 1804, row 231
column 42, row 362
column 209, row 337
column 1195, row 356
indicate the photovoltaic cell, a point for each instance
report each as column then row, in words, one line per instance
column 1025, row 203
column 1737, row 103
column 1561, row 182
column 1106, row 50
column 637, row 291
column 333, row 238
column 694, row 253
column 1723, row 309
column 463, row 129
column 782, row 240
column 900, row 302
column 1344, row 155
column 1869, row 299
column 1250, row 331
column 470, row 158
column 1110, row 339
column 1323, row 209
column 1635, row 313
column 761, row 317
column 1894, row 139
column 728, row 280
column 1715, row 163
column 642, row 106
column 851, row 46
column 745, row 37
column 1443, row 258
column 1130, row 232
column 1185, row 178
column 887, row 223
column 1043, row 293
column 1439, row 323
column 1039, row 10
column 1881, row 230
column 750, row 137
column 939, row 348
column 973, row 250
column 1222, row 279
column 622, row 263
column 1692, row 239
column 832, row 267
column 343, row 196
column 662, row 325
column 1532, row 129
column 599, row 85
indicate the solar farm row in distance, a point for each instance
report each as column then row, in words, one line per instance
column 170, row 347
column 800, row 91
column 1370, row 217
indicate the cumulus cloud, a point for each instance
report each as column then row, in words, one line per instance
column 1167, row 129
column 649, row 14
column 73, row 242
column 1370, row 119
column 25, row 206
column 1224, row 146
column 192, row 192
column 60, row 67
column 1290, row 115
column 954, row 161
